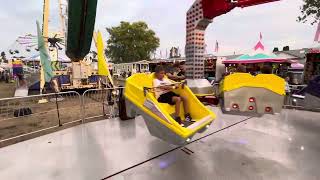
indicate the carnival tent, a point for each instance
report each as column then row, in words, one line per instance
column 36, row 57
column 259, row 55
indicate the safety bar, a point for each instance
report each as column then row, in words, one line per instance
column 146, row 89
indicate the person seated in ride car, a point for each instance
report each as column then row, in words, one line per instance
column 164, row 94
column 176, row 72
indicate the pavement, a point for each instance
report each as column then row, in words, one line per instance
column 283, row 146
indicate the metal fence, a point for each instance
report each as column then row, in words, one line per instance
column 101, row 102
column 22, row 116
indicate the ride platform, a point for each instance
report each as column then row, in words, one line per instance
column 284, row 146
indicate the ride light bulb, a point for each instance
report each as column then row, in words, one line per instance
column 235, row 106
column 251, row 108
column 207, row 126
column 252, row 99
column 188, row 140
column 268, row 109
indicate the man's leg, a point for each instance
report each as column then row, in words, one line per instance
column 185, row 104
column 187, row 115
column 177, row 101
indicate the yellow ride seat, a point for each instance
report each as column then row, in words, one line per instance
column 168, row 108
column 141, row 99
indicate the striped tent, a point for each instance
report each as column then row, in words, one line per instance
column 259, row 55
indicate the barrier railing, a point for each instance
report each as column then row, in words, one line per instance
column 20, row 116
column 101, row 102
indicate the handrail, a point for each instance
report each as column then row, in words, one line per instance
column 40, row 95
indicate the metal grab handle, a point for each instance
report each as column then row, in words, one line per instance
column 146, row 89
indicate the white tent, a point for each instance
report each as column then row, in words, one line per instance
column 61, row 58
column 32, row 58
column 5, row 66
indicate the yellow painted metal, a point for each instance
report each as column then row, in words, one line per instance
column 268, row 81
column 135, row 93
column 45, row 33
column 103, row 68
column 45, row 25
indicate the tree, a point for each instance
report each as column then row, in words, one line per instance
column 310, row 9
column 131, row 42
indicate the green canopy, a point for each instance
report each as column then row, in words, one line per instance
column 81, row 20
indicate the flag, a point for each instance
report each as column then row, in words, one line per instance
column 317, row 36
column 46, row 68
column 178, row 50
column 103, row 68
column 259, row 45
column 260, row 36
column 216, row 49
column 166, row 54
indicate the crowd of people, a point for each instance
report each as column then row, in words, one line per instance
column 5, row 76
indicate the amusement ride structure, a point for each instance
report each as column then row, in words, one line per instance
column 139, row 98
column 81, row 20
column 235, row 147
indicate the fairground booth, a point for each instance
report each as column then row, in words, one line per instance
column 255, row 61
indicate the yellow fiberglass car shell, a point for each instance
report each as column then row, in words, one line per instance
column 158, row 116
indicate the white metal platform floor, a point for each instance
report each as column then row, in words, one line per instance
column 284, row 146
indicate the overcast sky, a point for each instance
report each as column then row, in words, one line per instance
column 237, row 31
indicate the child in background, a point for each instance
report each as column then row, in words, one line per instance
column 164, row 94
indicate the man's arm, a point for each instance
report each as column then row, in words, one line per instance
column 172, row 77
column 156, row 84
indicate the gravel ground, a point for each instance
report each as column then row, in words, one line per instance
column 6, row 89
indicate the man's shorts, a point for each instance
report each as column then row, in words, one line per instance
column 167, row 98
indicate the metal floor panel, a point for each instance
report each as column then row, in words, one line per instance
column 272, row 147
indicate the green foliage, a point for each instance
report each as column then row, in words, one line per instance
column 131, row 42
column 310, row 10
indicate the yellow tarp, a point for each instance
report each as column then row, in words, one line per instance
column 103, row 69
column 268, row 81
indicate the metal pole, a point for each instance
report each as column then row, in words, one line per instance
column 57, row 105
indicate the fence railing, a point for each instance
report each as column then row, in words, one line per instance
column 25, row 115
column 22, row 116
column 101, row 102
